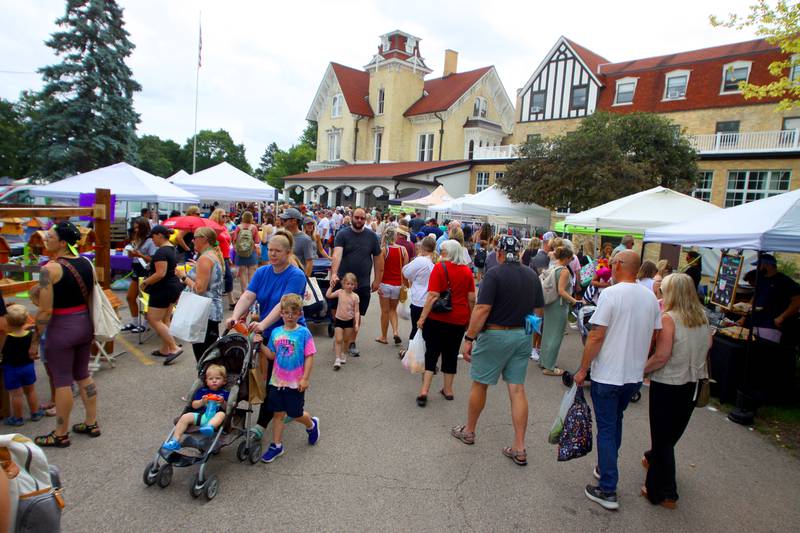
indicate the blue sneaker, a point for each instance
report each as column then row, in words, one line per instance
column 37, row 415
column 14, row 421
column 272, row 453
column 172, row 445
column 206, row 430
column 313, row 433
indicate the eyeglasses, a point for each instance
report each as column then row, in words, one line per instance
column 359, row 218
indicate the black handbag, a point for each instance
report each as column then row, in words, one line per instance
column 443, row 303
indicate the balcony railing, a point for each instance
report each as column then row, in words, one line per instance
column 748, row 142
column 506, row 151
column 323, row 165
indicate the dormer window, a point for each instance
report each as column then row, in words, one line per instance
column 537, row 102
column 479, row 109
column 580, row 96
column 380, row 101
column 336, row 106
column 675, row 85
column 626, row 87
column 733, row 74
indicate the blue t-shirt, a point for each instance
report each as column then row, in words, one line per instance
column 202, row 391
column 269, row 287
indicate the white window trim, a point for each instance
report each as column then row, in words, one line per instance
column 733, row 66
column 427, row 150
column 334, row 144
column 676, row 74
column 336, row 105
column 377, row 146
column 623, row 81
column 478, row 176
column 765, row 193
column 381, row 101
column 796, row 68
column 483, row 107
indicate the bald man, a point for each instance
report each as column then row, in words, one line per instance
column 623, row 330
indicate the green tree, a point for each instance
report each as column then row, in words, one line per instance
column 609, row 156
column 14, row 161
column 309, row 136
column 84, row 113
column 780, row 26
column 289, row 162
column 161, row 157
column 267, row 160
column 214, row 147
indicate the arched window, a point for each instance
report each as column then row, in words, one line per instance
column 471, row 150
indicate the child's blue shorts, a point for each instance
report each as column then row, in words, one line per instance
column 286, row 400
column 15, row 377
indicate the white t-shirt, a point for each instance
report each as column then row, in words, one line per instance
column 323, row 227
column 418, row 272
column 630, row 312
column 337, row 221
column 646, row 283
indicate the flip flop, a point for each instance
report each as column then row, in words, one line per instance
column 381, row 341
column 171, row 357
column 157, row 353
column 448, row 397
column 397, row 339
column 520, row 457
column 555, row 372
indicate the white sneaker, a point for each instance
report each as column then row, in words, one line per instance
column 535, row 354
column 337, row 364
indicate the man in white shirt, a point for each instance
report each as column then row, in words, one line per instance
column 324, row 227
column 623, row 331
column 336, row 220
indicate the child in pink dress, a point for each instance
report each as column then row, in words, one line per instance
column 347, row 319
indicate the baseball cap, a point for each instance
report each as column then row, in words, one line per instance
column 160, row 230
column 308, row 220
column 766, row 259
column 291, row 213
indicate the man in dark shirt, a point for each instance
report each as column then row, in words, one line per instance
column 776, row 301
column 416, row 222
column 541, row 261
column 508, row 293
column 432, row 227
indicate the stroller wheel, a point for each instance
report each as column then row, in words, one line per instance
column 567, row 379
column 212, row 486
column 151, row 472
column 636, row 396
column 196, row 488
column 330, row 329
column 242, row 451
column 255, row 453
column 165, row 476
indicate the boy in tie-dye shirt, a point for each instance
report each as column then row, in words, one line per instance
column 292, row 348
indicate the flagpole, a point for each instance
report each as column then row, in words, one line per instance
column 197, row 91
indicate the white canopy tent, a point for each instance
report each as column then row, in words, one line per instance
column 438, row 196
column 225, row 182
column 127, row 183
column 179, row 174
column 770, row 224
column 637, row 212
column 493, row 202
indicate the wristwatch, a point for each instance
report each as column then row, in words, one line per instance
column 469, row 339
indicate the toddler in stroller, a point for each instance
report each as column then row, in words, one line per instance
column 215, row 416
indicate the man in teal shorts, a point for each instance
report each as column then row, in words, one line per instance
column 496, row 342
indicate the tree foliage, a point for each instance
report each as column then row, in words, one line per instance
column 214, row 147
column 267, row 160
column 309, row 136
column 288, row 162
column 780, row 26
column 13, row 154
column 609, row 156
column 84, row 113
column 161, row 157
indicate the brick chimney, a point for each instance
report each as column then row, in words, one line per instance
column 450, row 62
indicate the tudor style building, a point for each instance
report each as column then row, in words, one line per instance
column 389, row 113
column 748, row 148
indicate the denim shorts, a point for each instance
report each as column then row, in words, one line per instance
column 286, row 400
column 390, row 291
column 501, row 351
column 15, row 377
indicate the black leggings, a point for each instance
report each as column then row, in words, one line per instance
column 212, row 334
column 671, row 407
column 415, row 314
column 264, row 413
column 442, row 338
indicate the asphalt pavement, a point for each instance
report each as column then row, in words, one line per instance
column 382, row 463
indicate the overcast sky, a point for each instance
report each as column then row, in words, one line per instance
column 263, row 60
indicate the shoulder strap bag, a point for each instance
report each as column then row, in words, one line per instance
column 443, row 304
column 105, row 320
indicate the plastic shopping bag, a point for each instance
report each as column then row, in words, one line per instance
column 533, row 324
column 558, row 425
column 404, row 311
column 414, row 360
column 190, row 321
column 576, row 439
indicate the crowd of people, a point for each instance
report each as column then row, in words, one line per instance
column 469, row 289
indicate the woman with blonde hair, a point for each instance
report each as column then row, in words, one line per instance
column 676, row 368
column 207, row 279
column 224, row 241
column 395, row 258
column 663, row 269
column 246, row 248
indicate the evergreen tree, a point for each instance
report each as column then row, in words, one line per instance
column 267, row 161
column 84, row 114
column 309, row 136
column 13, row 157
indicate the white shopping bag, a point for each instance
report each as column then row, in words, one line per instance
column 414, row 360
column 404, row 311
column 558, row 424
column 190, row 321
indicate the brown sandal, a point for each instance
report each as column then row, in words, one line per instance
column 52, row 440
column 93, row 430
column 519, row 457
column 463, row 435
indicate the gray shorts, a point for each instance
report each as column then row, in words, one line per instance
column 389, row 291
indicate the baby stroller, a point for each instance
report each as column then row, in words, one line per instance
column 319, row 312
column 238, row 354
column 583, row 313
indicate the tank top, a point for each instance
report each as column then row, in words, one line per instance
column 689, row 351
column 66, row 291
column 392, row 266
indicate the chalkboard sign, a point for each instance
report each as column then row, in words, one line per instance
column 727, row 280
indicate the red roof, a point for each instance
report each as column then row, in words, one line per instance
column 443, row 92
column 694, row 56
column 592, row 60
column 377, row 170
column 355, row 88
